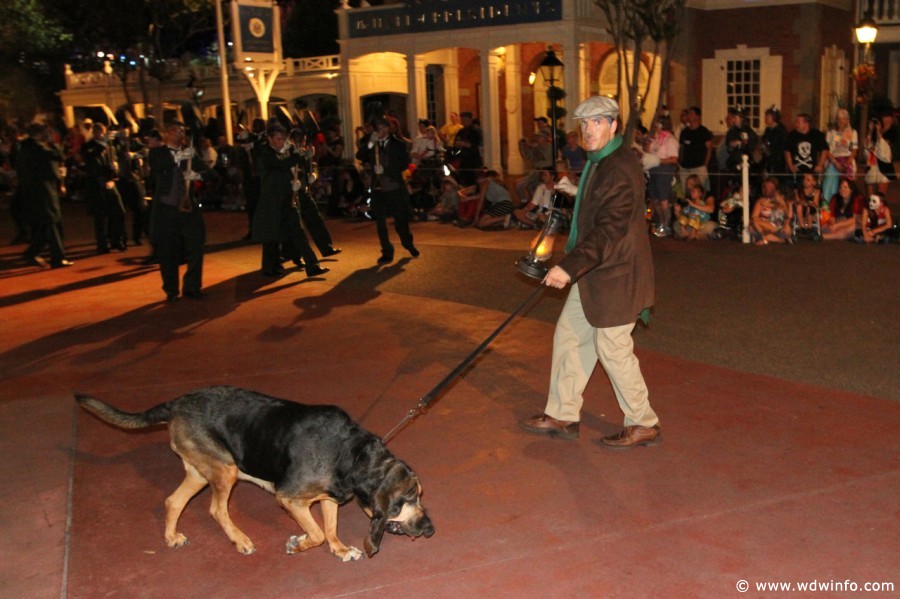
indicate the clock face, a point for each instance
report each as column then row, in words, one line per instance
column 257, row 27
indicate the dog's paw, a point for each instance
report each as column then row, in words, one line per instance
column 248, row 549
column 293, row 544
column 352, row 554
column 179, row 540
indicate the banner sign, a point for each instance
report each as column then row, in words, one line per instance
column 256, row 32
column 420, row 16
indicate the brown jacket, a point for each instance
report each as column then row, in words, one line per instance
column 611, row 260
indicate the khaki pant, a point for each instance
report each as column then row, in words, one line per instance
column 577, row 346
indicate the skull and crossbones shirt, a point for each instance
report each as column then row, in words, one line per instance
column 806, row 149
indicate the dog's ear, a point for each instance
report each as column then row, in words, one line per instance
column 383, row 508
column 376, row 531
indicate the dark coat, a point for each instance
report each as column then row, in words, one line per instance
column 166, row 219
column 37, row 169
column 393, row 156
column 275, row 193
column 611, row 260
column 100, row 169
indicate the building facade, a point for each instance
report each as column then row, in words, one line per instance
column 428, row 58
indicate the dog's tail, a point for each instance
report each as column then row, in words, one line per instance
column 155, row 415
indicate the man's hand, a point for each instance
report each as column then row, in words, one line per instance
column 566, row 186
column 557, row 278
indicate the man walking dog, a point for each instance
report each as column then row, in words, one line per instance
column 609, row 265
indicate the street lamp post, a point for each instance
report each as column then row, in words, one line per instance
column 534, row 264
column 866, row 31
column 549, row 69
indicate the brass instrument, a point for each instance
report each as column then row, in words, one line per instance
column 186, row 204
column 376, row 178
column 295, row 203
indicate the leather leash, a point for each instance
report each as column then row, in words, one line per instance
column 425, row 400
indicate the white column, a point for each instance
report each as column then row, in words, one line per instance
column 573, row 60
column 451, row 89
column 223, row 75
column 349, row 107
column 69, row 115
column 514, row 162
column 416, row 98
column 584, row 80
column 490, row 108
column 262, row 81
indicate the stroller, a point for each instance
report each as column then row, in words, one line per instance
column 731, row 221
column 813, row 233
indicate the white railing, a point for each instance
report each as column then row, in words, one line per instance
column 291, row 67
column 885, row 12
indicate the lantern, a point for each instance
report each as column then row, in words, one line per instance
column 534, row 264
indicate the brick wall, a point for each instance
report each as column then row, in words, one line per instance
column 799, row 33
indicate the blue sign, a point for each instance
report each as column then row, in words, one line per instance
column 423, row 16
column 257, row 29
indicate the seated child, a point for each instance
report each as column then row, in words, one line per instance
column 877, row 224
column 807, row 199
column 447, row 201
column 534, row 214
column 695, row 211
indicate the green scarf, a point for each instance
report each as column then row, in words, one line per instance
column 593, row 158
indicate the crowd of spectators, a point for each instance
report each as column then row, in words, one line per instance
column 806, row 183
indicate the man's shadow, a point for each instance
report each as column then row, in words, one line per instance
column 149, row 328
column 357, row 289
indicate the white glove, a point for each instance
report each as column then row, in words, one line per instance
column 379, row 170
column 373, row 139
column 185, row 154
column 195, row 176
column 649, row 161
column 295, row 185
column 566, row 186
column 312, row 178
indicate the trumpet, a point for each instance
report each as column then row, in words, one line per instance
column 186, row 204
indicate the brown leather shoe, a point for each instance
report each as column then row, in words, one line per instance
column 632, row 436
column 545, row 425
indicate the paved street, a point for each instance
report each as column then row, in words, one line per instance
column 773, row 369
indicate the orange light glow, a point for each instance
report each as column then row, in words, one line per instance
column 545, row 249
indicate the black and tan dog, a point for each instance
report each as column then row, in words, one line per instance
column 303, row 454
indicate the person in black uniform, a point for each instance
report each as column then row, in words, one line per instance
column 103, row 199
column 252, row 142
column 177, row 230
column 309, row 212
column 390, row 156
column 468, row 141
column 37, row 168
column 129, row 185
column 276, row 223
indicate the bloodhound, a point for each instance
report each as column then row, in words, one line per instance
column 302, row 453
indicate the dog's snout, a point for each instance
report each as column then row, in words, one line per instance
column 427, row 527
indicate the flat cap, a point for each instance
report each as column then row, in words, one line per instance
column 597, row 106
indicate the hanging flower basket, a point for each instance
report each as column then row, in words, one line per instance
column 864, row 76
